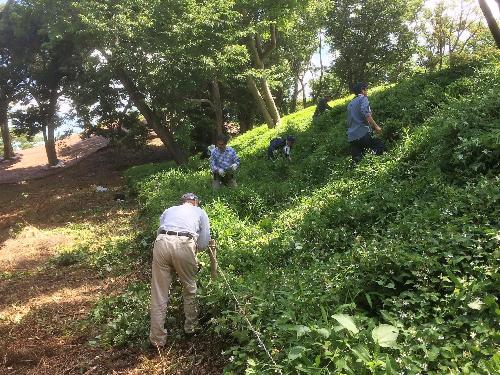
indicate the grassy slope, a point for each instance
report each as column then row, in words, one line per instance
column 409, row 239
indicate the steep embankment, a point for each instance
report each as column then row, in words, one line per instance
column 388, row 267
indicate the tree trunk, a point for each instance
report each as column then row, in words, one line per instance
column 321, row 68
column 8, row 151
column 50, row 144
column 293, row 104
column 217, row 106
column 492, row 23
column 152, row 118
column 257, row 55
column 260, row 102
column 270, row 103
column 49, row 130
column 304, row 99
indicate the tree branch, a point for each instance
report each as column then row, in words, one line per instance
column 272, row 44
column 254, row 53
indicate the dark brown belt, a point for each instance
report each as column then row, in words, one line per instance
column 172, row 233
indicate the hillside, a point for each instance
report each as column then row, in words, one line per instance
column 388, row 267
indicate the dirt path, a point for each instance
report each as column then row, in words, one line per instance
column 32, row 162
column 41, row 305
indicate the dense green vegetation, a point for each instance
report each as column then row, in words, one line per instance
column 389, row 267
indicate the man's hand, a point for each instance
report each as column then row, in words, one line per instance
column 234, row 167
column 377, row 129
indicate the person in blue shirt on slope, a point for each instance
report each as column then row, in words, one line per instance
column 361, row 124
column 223, row 163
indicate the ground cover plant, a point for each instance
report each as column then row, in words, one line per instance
column 384, row 268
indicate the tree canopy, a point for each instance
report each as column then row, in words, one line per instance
column 193, row 67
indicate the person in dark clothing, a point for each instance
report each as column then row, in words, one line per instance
column 281, row 146
column 361, row 125
column 322, row 106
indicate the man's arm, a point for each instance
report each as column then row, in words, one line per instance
column 204, row 235
column 204, row 241
column 236, row 159
column 367, row 112
column 213, row 167
column 377, row 129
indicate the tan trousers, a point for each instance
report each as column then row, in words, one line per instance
column 172, row 254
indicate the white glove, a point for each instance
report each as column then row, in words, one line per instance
column 234, row 166
column 221, row 172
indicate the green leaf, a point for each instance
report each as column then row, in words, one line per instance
column 433, row 353
column 385, row 335
column 296, row 352
column 323, row 332
column 389, row 370
column 340, row 364
column 302, row 330
column 369, row 300
column 362, row 352
column 347, row 322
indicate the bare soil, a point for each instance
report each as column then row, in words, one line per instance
column 32, row 163
column 40, row 307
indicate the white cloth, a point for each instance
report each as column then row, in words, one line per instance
column 286, row 150
column 187, row 218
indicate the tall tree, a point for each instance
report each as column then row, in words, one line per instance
column 262, row 20
column 298, row 42
column 492, row 23
column 371, row 38
column 449, row 29
column 166, row 54
column 51, row 59
column 11, row 75
column 125, row 34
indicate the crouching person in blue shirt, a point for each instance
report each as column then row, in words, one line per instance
column 223, row 163
column 361, row 125
column 281, row 146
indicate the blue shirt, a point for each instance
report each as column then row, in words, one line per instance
column 357, row 112
column 187, row 218
column 223, row 159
